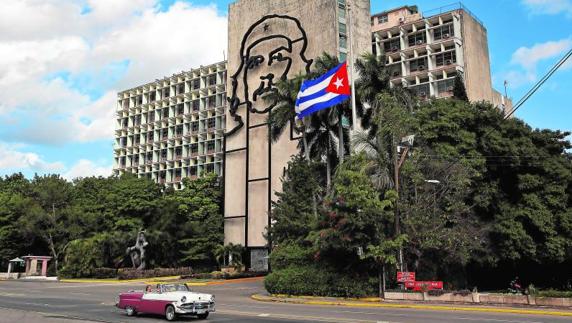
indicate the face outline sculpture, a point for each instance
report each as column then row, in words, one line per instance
column 269, row 66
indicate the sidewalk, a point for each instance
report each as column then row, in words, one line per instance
column 376, row 303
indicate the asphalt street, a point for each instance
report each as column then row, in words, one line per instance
column 25, row 302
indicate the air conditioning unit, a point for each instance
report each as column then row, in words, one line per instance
column 450, row 89
column 419, row 42
column 445, row 36
column 421, row 68
column 394, row 48
column 448, row 62
column 422, row 94
column 396, row 74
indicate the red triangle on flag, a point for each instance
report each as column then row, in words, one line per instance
column 340, row 82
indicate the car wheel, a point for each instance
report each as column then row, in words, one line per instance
column 170, row 313
column 130, row 311
column 203, row 316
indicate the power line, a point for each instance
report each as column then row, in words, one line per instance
column 540, row 83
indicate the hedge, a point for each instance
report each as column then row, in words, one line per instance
column 130, row 273
column 313, row 281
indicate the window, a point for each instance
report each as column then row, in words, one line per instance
column 443, row 32
column 195, row 126
column 194, row 148
column 446, row 58
column 196, row 84
column 210, row 168
column 166, row 92
column 343, row 42
column 179, row 130
column 418, row 65
column 421, row 90
column 180, row 109
column 193, row 171
column 342, row 28
column 178, row 152
column 181, row 88
column 382, row 19
column 211, row 123
column 212, row 80
column 417, row 39
column 196, row 105
column 445, row 86
column 393, row 45
column 211, row 146
column 152, row 96
column 342, row 12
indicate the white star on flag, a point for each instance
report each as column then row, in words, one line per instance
column 339, row 82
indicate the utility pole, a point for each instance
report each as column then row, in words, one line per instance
column 402, row 150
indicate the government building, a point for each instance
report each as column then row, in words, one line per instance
column 213, row 118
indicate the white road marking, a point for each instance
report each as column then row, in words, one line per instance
column 264, row 315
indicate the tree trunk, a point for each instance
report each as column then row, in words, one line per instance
column 53, row 250
column 340, row 138
column 383, row 281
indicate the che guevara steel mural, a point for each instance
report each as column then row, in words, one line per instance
column 253, row 61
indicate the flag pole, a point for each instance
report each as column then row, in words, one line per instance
column 352, row 73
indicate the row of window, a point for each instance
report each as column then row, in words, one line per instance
column 419, row 38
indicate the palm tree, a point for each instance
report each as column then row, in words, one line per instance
column 324, row 140
column 284, row 112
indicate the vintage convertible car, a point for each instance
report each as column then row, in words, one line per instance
column 167, row 299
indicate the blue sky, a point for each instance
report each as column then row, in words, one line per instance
column 64, row 61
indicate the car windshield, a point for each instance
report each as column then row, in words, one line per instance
column 175, row 288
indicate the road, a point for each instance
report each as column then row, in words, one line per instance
column 25, row 302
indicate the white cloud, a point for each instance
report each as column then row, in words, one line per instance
column 550, row 7
column 47, row 45
column 11, row 158
column 87, row 168
column 527, row 59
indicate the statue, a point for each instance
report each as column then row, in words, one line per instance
column 137, row 252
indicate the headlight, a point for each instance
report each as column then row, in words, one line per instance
column 184, row 299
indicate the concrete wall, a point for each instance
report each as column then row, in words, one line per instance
column 319, row 19
column 476, row 59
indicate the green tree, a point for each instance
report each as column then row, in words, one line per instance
column 459, row 90
column 199, row 228
column 50, row 219
column 353, row 217
column 384, row 254
column 293, row 214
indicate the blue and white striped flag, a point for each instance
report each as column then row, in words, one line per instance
column 324, row 92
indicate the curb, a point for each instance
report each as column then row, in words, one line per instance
column 369, row 304
column 159, row 280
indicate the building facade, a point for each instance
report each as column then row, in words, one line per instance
column 425, row 52
column 214, row 118
column 172, row 128
column 268, row 41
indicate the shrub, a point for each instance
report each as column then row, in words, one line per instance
column 290, row 254
column 313, row 281
column 130, row 273
column 554, row 293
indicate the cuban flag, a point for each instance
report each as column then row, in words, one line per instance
column 326, row 91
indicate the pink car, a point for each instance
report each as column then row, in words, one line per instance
column 167, row 299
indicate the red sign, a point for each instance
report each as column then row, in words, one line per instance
column 405, row 276
column 423, row 285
